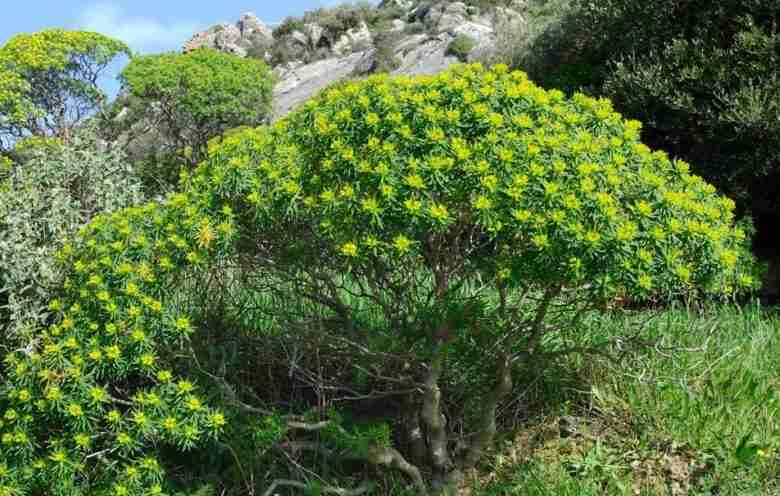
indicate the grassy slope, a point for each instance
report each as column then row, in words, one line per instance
column 699, row 414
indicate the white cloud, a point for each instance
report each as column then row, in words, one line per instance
column 140, row 33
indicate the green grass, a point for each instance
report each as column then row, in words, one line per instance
column 698, row 414
column 693, row 411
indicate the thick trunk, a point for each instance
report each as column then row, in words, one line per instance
column 432, row 417
column 414, row 433
column 487, row 430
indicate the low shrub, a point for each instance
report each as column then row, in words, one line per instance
column 461, row 46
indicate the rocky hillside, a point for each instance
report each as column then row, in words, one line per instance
column 397, row 36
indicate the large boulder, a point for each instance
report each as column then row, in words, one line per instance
column 223, row 36
column 252, row 27
column 300, row 38
column 249, row 32
column 445, row 17
column 425, row 54
column 314, row 33
column 480, row 33
column 298, row 82
column 359, row 38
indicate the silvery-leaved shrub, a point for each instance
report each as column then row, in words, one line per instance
column 44, row 197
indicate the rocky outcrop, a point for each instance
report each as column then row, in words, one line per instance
column 313, row 59
column 353, row 40
column 248, row 33
column 251, row 27
column 445, row 17
column 397, row 4
column 425, row 54
column 298, row 82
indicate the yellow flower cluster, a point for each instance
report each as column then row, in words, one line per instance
column 110, row 323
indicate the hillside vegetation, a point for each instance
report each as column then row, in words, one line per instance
column 333, row 258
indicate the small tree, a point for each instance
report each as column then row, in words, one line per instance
column 49, row 81
column 397, row 225
column 472, row 212
column 193, row 97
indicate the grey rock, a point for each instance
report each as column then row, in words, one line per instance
column 478, row 32
column 409, row 43
column 359, row 37
column 398, row 25
column 228, row 39
column 299, row 37
column 402, row 4
column 483, row 35
column 236, row 38
column 447, row 16
column 314, row 32
column 252, row 27
column 367, row 64
column 428, row 57
column 298, row 83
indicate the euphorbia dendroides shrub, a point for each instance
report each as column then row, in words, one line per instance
column 468, row 207
column 48, row 82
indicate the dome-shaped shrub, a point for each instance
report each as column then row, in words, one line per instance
column 450, row 203
column 484, row 172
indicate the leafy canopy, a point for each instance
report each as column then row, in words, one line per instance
column 48, row 80
column 485, row 172
column 199, row 95
column 473, row 174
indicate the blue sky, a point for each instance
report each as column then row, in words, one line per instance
column 148, row 26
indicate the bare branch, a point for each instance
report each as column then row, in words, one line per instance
column 394, row 459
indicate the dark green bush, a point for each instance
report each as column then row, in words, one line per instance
column 702, row 75
column 461, row 47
